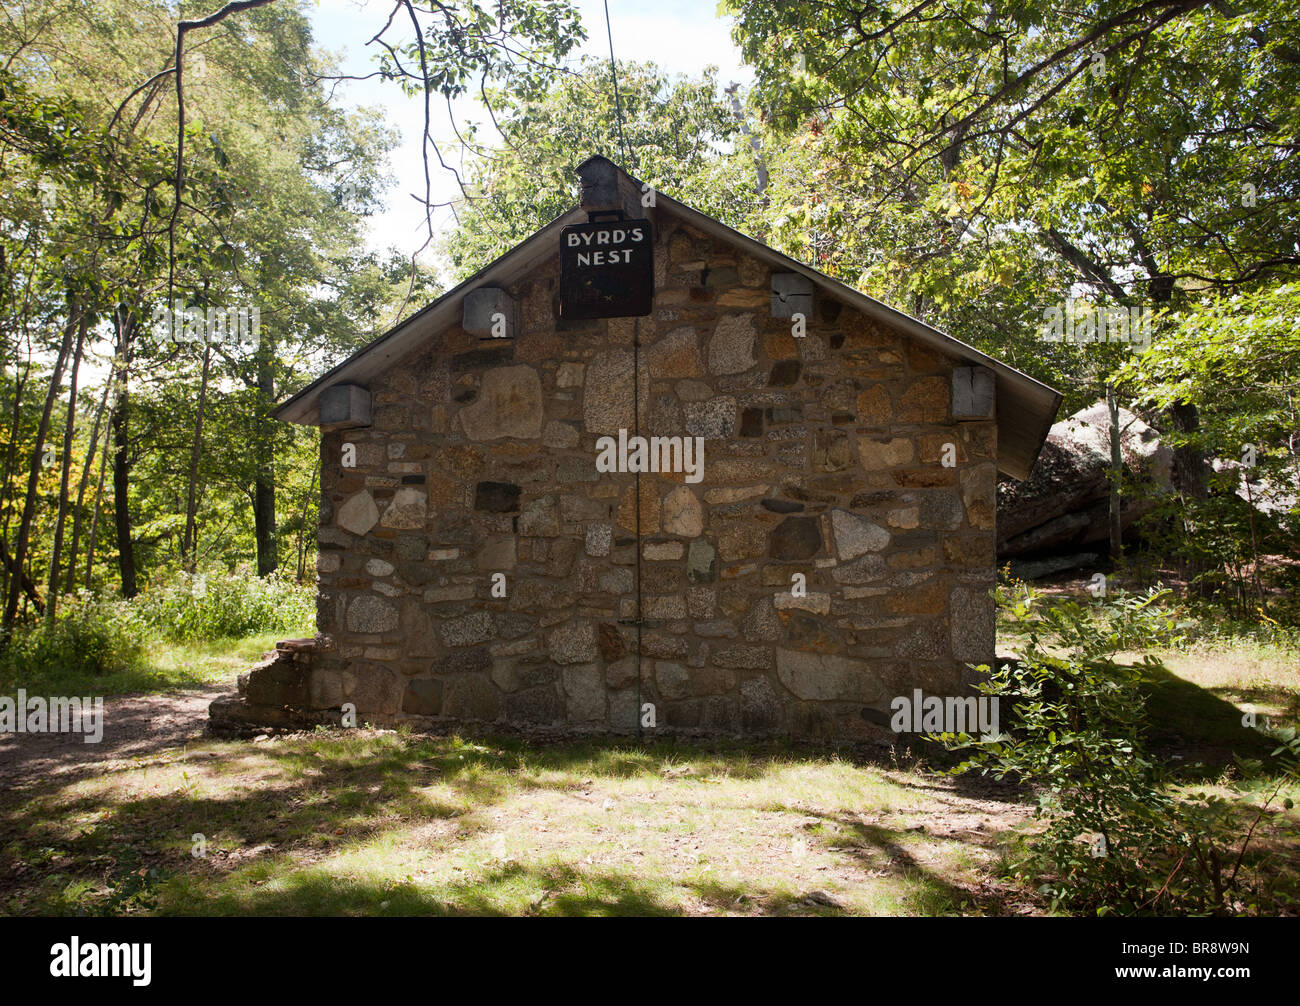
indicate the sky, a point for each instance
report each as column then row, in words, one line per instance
column 680, row 35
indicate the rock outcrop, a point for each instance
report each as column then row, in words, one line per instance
column 1065, row 502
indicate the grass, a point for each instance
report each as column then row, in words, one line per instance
column 1258, row 677
column 1201, row 690
column 387, row 823
column 392, row 823
column 1198, row 711
column 209, row 662
column 166, row 665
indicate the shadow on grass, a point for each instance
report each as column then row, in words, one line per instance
column 542, row 890
column 270, row 812
column 1288, row 701
column 557, row 889
column 1203, row 730
column 142, row 676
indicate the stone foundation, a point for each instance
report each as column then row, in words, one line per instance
column 273, row 694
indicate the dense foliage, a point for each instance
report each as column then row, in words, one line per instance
column 182, row 245
column 96, row 637
column 672, row 137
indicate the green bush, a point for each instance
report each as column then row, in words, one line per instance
column 222, row 605
column 102, row 642
column 1119, row 838
column 92, row 637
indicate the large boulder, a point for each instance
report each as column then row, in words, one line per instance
column 1065, row 501
column 1278, row 498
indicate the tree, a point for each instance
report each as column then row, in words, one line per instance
column 1135, row 151
column 1236, row 360
column 675, row 133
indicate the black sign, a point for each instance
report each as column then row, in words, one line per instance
column 607, row 269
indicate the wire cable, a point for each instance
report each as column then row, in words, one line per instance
column 618, row 101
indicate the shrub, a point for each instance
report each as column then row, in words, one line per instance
column 1118, row 837
column 92, row 637
column 222, row 605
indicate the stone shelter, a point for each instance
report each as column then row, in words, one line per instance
column 722, row 494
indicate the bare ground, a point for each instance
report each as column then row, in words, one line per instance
column 135, row 726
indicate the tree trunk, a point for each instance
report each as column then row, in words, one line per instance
column 1116, row 477
column 264, row 516
column 11, row 456
column 34, row 473
column 65, row 472
column 94, row 518
column 302, row 525
column 121, row 423
column 70, row 584
column 189, row 543
column 1189, row 460
column 264, row 485
column 29, row 588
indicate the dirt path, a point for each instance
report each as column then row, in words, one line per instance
column 134, row 726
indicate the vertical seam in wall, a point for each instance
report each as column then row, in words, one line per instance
column 636, row 490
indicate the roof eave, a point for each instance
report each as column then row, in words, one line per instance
column 404, row 337
column 1026, row 394
column 1026, row 407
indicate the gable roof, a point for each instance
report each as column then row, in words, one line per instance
column 1025, row 406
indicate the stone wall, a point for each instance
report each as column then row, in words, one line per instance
column 822, row 457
